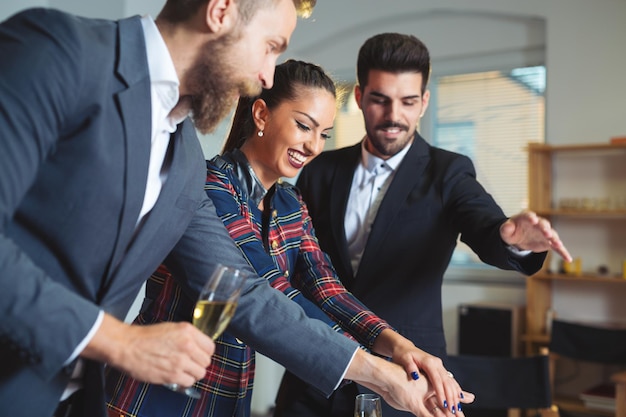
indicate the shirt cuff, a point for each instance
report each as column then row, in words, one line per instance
column 87, row 338
column 520, row 253
column 346, row 370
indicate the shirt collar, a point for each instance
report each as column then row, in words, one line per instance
column 370, row 161
column 249, row 181
column 160, row 64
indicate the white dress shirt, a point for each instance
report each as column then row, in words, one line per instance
column 370, row 182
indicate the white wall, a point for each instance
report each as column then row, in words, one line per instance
column 583, row 43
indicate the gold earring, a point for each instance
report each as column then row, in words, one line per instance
column 260, row 133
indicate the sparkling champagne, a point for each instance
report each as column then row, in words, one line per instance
column 212, row 317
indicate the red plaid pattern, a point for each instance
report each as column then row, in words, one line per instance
column 291, row 261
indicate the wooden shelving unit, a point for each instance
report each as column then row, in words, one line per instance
column 541, row 199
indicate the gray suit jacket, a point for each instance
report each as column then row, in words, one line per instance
column 74, row 151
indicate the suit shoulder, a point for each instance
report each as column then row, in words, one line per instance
column 446, row 157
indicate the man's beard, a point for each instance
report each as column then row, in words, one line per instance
column 214, row 84
column 386, row 148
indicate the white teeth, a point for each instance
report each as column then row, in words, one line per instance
column 297, row 156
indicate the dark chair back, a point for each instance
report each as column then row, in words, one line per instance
column 504, row 382
column 588, row 343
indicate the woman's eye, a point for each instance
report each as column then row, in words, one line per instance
column 326, row 136
column 302, row 126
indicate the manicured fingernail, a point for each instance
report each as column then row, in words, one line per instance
column 415, row 376
column 445, row 404
column 461, row 395
column 459, row 407
column 453, row 410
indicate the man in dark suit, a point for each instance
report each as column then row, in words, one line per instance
column 389, row 211
column 101, row 179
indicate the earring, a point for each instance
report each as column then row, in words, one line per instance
column 260, row 133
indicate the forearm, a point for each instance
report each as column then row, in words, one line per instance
column 107, row 343
column 390, row 342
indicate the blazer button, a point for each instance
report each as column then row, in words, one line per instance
column 274, row 244
column 275, row 213
column 286, row 273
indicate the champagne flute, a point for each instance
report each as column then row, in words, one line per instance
column 367, row 405
column 215, row 307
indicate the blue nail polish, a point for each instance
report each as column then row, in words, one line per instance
column 461, row 395
column 453, row 410
column 445, row 404
column 415, row 376
column 459, row 407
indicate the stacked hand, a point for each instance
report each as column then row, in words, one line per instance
column 447, row 395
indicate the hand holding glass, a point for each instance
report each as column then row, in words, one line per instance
column 367, row 405
column 215, row 307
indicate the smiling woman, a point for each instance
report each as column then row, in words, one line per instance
column 273, row 135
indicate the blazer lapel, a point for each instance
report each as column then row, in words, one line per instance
column 161, row 228
column 410, row 173
column 342, row 182
column 135, row 111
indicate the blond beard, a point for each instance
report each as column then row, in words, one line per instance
column 214, row 83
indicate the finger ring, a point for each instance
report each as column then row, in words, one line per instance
column 450, row 374
column 434, row 409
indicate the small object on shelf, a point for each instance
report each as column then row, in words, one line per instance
column 618, row 139
column 574, row 267
column 599, row 397
column 603, row 270
column 624, row 269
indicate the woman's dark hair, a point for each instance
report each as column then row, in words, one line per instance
column 289, row 78
column 395, row 53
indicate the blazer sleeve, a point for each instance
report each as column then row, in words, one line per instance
column 265, row 319
column 41, row 319
column 479, row 217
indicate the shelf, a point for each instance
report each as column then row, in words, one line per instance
column 590, row 214
column 544, row 276
column 542, row 147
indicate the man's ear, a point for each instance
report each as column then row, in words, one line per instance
column 425, row 100
column 357, row 95
column 221, row 15
column 260, row 113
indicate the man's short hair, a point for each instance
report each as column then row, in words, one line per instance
column 395, row 53
column 181, row 10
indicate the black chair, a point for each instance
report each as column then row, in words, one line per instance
column 504, row 383
column 601, row 345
